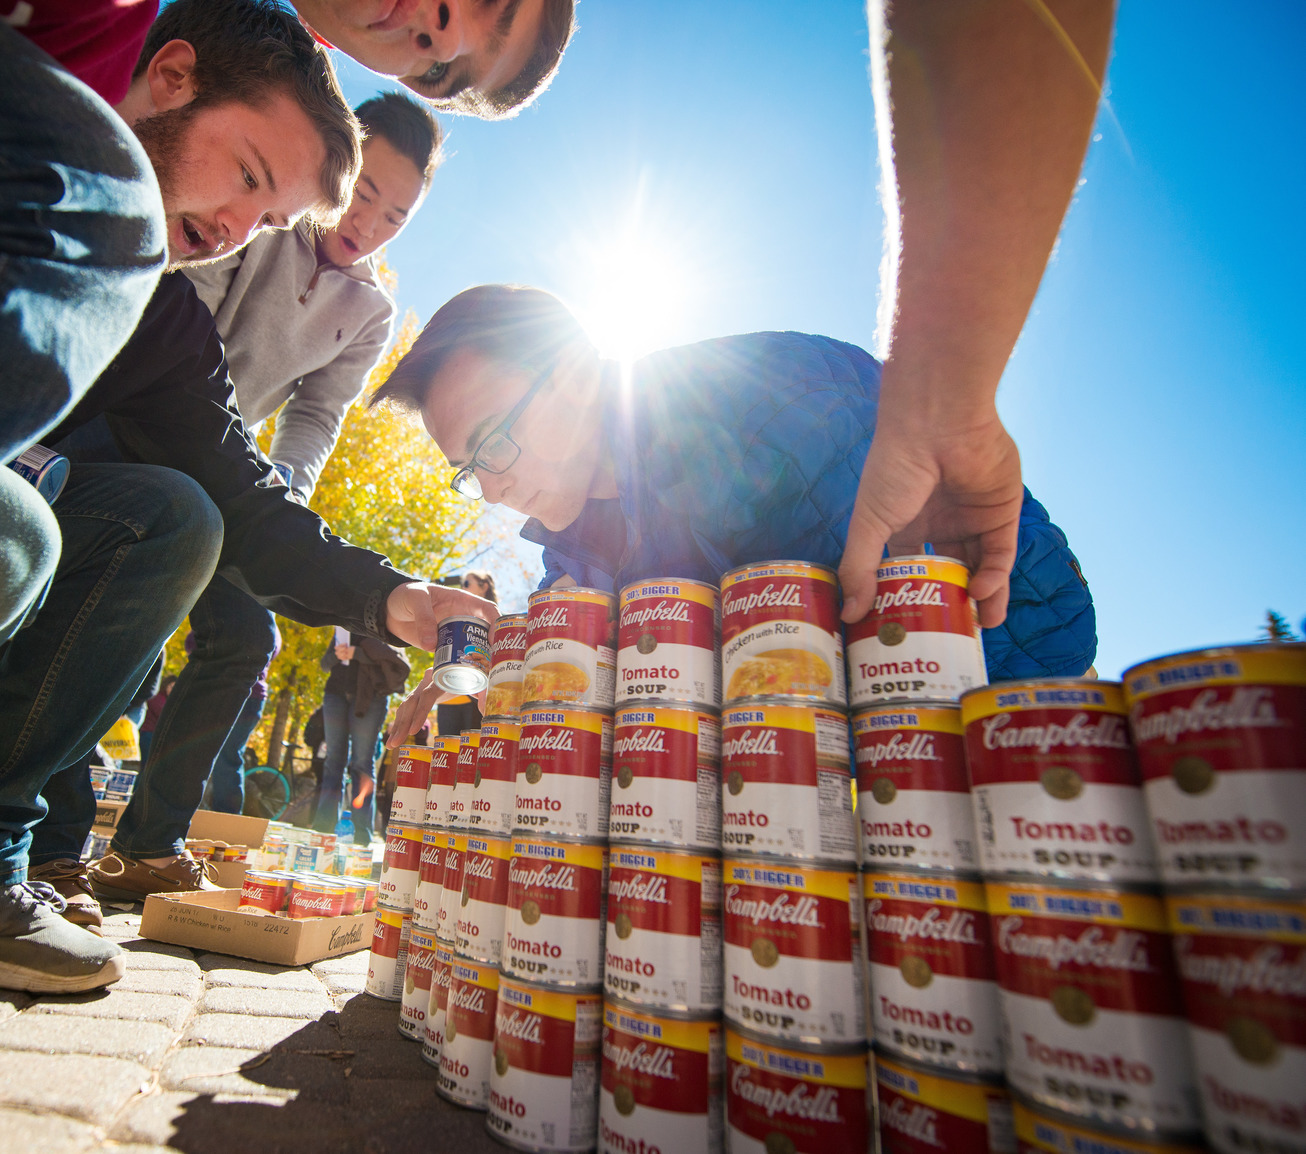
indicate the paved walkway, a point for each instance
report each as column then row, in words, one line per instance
column 201, row 1052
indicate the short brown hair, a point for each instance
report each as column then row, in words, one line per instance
column 247, row 51
column 409, row 129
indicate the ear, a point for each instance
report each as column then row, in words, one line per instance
column 170, row 76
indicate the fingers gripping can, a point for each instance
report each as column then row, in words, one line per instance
column 507, row 659
column 544, row 1084
column 924, row 1110
column 667, row 648
column 564, row 772
column 571, row 637
column 437, row 1007
column 663, row 943
column 467, row 1054
column 1037, row 1132
column 921, row 638
column 430, row 880
column 1054, row 782
column 793, row 951
column 443, row 777
column 389, row 956
column 780, row 633
column 400, row 867
column 494, row 779
column 451, row 887
column 913, row 796
column 416, row 998
column 666, row 779
column 478, row 927
column 460, row 801
column 412, row 778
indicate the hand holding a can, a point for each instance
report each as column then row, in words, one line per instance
column 413, row 612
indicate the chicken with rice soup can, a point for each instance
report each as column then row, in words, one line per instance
column 467, row 1053
column 1040, row 1131
column 430, row 880
column 416, row 997
column 564, row 772
column 1221, row 739
column 478, row 928
column 914, row 808
column 666, row 776
column 267, row 890
column 460, row 801
column 389, row 957
column 433, row 1027
column 495, row 778
column 401, row 865
column 443, row 777
column 922, row 1110
column 667, row 644
column 451, row 887
column 412, row 779
column 507, row 666
column 462, row 655
column 571, row 637
column 921, row 639
column 1054, row 782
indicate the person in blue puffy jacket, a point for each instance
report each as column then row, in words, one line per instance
column 695, row 460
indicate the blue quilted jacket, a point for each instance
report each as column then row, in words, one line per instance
column 749, row 448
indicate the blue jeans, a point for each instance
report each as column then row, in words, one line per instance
column 350, row 740
column 139, row 545
column 29, row 551
column 226, row 789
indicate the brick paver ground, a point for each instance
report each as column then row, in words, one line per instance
column 204, row 1053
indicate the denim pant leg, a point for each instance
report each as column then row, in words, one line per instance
column 234, row 639
column 226, row 790
column 139, row 544
column 363, row 732
column 82, row 239
column 70, row 812
column 29, row 551
column 337, row 713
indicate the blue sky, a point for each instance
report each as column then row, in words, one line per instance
column 700, row 169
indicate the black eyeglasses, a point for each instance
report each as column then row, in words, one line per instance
column 497, row 452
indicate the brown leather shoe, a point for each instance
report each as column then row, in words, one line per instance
column 123, row 879
column 69, row 879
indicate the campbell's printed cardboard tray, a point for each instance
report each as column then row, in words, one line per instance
column 209, row 920
column 107, row 816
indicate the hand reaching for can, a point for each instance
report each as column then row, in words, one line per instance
column 416, row 708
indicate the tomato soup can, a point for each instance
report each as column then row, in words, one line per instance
column 557, row 907
column 784, row 1097
column 444, row 776
column 430, row 880
column 668, row 646
column 460, row 801
column 663, row 942
column 437, row 1007
column 922, row 1109
column 507, row 666
column 1221, row 738
column 794, row 963
column 666, row 777
column 780, row 633
column 412, row 779
column 662, row 1081
column 462, row 655
column 1242, row 965
column 401, row 865
column 1041, row 1131
column 416, row 998
column 1054, row 782
column 451, row 887
column 492, row 786
column 1091, row 1009
column 478, row 928
column 913, row 796
column 785, row 781
column 564, row 772
column 467, row 1054
column 571, row 655
column 388, row 960
column 933, row 991
column 544, row 1084
column 921, row 639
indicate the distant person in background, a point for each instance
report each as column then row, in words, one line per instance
column 153, row 708
column 459, row 713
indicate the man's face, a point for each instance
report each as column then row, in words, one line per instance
column 436, row 47
column 388, row 191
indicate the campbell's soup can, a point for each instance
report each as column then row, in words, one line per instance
column 389, row 957
column 1242, row 965
column 1091, row 1009
column 662, row 1081
column 564, row 772
column 667, row 643
column 785, row 783
column 571, row 654
column 913, row 796
column 924, row 1110
column 507, row 666
column 412, row 779
column 780, row 633
column 451, row 887
column 544, row 1084
column 663, row 943
column 430, row 880
column 416, row 997
column 933, row 992
column 1221, row 739
column 783, row 1097
column 921, row 639
column 467, row 1054
column 460, row 801
column 1054, row 781
column 443, row 778
column 793, row 951
column 495, row 778
column 556, row 911
column 478, row 928
column 1038, row 1131
column 401, row 865
column 666, row 780
column 433, row 1027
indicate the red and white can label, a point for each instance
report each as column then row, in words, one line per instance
column 507, row 666
column 780, row 633
column 801, row 1100
column 544, row 1085
column 564, row 773
column 1221, row 737
column 430, row 880
column 1038, row 1133
column 451, row 887
column 460, row 801
column 666, row 780
column 793, row 952
column 913, row 797
column 494, row 780
column 921, row 638
column 467, row 1054
column 443, row 777
column 661, row 1082
column 416, row 997
column 437, row 1007
column 571, row 637
column 785, row 784
column 389, row 957
column 667, row 647
column 400, row 866
column 934, row 996
column 663, row 944
column 1092, row 1017
column 1054, row 782
column 923, row 1111
column 478, row 928
column 412, row 779
column 557, row 901
column 265, row 890
column 1242, row 963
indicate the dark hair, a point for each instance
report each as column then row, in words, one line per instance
column 509, row 324
column 247, row 51
column 409, row 128
column 486, row 578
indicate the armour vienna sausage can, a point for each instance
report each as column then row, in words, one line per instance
column 667, row 647
column 462, row 655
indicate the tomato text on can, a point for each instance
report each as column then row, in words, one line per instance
column 667, row 645
column 389, row 957
column 478, row 927
column 451, row 886
column 494, row 779
column 412, row 780
column 460, row 801
column 467, row 1053
column 443, row 777
column 923, row 1110
column 462, row 655
column 564, row 772
column 571, row 656
column 507, row 662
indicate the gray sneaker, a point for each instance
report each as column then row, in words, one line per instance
column 42, row 952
